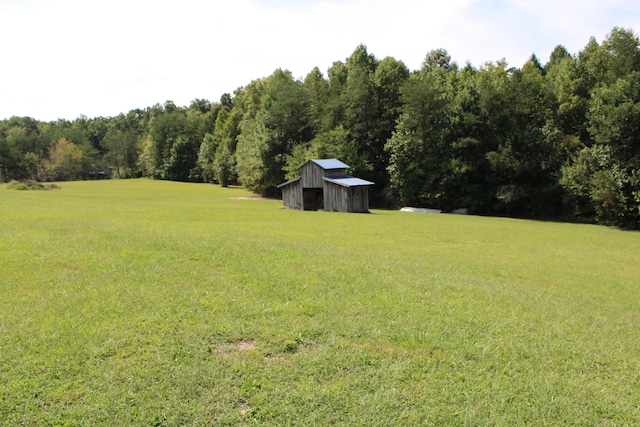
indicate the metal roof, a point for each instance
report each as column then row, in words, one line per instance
column 328, row 164
column 347, row 181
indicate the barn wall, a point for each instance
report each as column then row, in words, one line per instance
column 346, row 199
column 311, row 175
column 335, row 172
column 292, row 195
column 358, row 200
column 335, row 198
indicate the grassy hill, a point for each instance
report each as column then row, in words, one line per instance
column 160, row 303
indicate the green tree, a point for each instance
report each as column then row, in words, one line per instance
column 622, row 48
column 388, row 79
column 418, row 149
column 206, row 154
column 224, row 165
column 279, row 125
column 96, row 130
column 225, row 133
column 562, row 76
column 335, row 109
column 66, row 162
column 604, row 177
column 164, row 131
column 175, row 135
column 252, row 145
column 316, row 90
column 182, row 160
column 20, row 141
column 614, row 118
column 526, row 162
column 465, row 182
column 361, row 108
column 10, row 159
column 595, row 187
column 121, row 151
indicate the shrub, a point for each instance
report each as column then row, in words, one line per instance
column 30, row 185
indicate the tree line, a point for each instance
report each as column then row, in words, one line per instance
column 558, row 141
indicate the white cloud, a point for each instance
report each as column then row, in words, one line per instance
column 62, row 58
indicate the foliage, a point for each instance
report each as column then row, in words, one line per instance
column 224, row 165
column 418, row 148
column 30, row 184
column 66, row 161
column 595, row 185
column 121, row 148
column 278, row 126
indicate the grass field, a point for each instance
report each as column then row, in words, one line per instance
column 159, row 303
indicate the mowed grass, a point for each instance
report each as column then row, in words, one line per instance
column 159, row 303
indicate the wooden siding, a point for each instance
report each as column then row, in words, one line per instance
column 335, row 172
column 345, row 199
column 311, row 175
column 292, row 195
column 335, row 197
column 358, row 200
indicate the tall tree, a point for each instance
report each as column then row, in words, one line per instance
column 175, row 135
column 281, row 123
column 614, row 118
column 388, row 79
column 563, row 80
column 11, row 161
column 361, row 108
column 66, row 162
column 419, row 147
column 622, row 48
column 121, row 151
column 316, row 89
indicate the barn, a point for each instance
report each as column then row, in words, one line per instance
column 324, row 184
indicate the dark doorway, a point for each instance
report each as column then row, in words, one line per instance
column 312, row 199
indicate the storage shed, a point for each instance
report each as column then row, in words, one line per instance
column 324, row 184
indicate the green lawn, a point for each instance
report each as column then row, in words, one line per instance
column 159, row 303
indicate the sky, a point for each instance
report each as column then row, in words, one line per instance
column 60, row 59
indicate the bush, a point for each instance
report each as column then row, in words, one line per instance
column 30, row 185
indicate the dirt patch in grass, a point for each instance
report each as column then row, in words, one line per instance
column 230, row 347
column 245, row 345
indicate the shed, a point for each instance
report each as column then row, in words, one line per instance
column 324, row 184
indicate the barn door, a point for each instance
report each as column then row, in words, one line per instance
column 312, row 199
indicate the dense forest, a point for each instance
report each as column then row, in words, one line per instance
column 556, row 141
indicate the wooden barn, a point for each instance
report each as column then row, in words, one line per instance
column 324, row 184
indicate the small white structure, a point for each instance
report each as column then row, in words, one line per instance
column 421, row 210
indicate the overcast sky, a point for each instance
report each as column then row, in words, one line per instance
column 64, row 58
